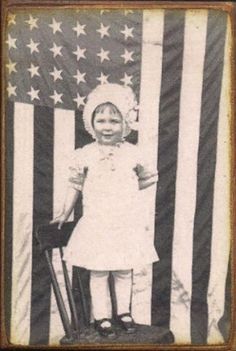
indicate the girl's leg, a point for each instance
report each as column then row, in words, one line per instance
column 100, row 294
column 123, row 286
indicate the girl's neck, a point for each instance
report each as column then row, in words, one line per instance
column 110, row 145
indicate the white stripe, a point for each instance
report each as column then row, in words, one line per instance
column 185, row 201
column 220, row 244
column 64, row 141
column 22, row 223
column 151, row 68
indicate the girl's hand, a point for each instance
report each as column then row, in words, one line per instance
column 60, row 220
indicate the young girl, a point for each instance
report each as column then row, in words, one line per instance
column 110, row 236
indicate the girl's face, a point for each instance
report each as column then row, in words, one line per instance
column 108, row 127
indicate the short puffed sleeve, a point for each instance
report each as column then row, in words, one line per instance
column 77, row 170
column 145, row 170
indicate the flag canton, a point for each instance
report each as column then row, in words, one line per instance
column 56, row 57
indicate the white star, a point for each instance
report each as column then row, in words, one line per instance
column 103, row 55
column 33, row 46
column 127, row 79
column 102, row 11
column 56, row 50
column 79, row 100
column 79, row 29
column 128, row 11
column 79, row 76
column 103, row 30
column 127, row 32
column 127, row 56
column 11, row 89
column 56, row 26
column 11, row 66
column 11, row 19
column 56, row 97
column 103, row 78
column 34, row 94
column 11, row 42
column 79, row 53
column 56, row 74
column 33, row 70
column 32, row 22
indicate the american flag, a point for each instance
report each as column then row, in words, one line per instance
column 177, row 62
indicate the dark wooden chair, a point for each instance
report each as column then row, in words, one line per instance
column 50, row 237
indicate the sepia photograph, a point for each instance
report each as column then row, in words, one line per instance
column 118, row 171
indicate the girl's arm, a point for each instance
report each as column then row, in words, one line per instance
column 146, row 176
column 71, row 198
column 143, row 184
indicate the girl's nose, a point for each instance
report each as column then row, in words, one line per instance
column 107, row 126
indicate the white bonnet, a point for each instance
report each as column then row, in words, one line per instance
column 119, row 95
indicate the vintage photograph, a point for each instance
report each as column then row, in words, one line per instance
column 118, row 210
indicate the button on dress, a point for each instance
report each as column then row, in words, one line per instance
column 111, row 234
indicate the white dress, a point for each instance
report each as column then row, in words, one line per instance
column 111, row 234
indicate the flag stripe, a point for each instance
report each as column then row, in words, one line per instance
column 220, row 244
column 64, row 126
column 185, row 198
column 167, row 163
column 42, row 213
column 22, row 222
column 153, row 22
column 213, row 67
column 8, row 217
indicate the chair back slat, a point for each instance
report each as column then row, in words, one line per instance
column 50, row 237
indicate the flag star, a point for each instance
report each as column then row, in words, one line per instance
column 79, row 29
column 79, row 100
column 79, row 53
column 34, row 94
column 103, row 30
column 56, row 97
column 33, row 70
column 33, row 46
column 79, row 76
column 127, row 56
column 11, row 42
column 11, row 19
column 103, row 55
column 128, row 11
column 103, row 78
column 56, row 50
column 56, row 26
column 56, row 74
column 127, row 79
column 11, row 89
column 103, row 11
column 127, row 32
column 11, row 66
column 32, row 22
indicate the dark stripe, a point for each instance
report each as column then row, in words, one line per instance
column 8, row 215
column 167, row 163
column 82, row 138
column 224, row 323
column 212, row 77
column 42, row 213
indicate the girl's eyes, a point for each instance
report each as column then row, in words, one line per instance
column 112, row 121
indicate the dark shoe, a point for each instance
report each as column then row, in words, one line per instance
column 104, row 330
column 128, row 326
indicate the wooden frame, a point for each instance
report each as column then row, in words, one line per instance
column 24, row 5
